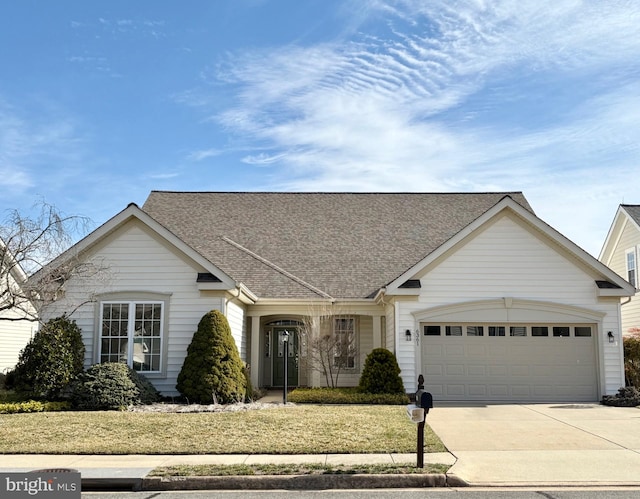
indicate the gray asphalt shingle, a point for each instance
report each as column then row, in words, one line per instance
column 348, row 245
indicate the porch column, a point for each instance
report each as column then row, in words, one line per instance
column 315, row 334
column 255, row 351
column 377, row 332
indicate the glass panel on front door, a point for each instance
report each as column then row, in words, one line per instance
column 277, row 356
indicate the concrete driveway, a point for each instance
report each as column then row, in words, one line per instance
column 554, row 444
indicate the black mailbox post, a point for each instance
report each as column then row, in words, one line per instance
column 425, row 401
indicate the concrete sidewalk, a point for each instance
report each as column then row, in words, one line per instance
column 130, row 471
column 541, row 444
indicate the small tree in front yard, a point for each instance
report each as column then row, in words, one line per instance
column 51, row 361
column 381, row 373
column 212, row 371
column 332, row 342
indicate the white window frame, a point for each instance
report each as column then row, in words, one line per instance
column 132, row 333
column 351, row 344
column 633, row 279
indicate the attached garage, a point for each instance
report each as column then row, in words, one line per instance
column 510, row 361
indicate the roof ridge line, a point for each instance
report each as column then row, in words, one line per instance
column 276, row 268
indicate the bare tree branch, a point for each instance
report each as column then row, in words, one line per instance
column 331, row 350
column 30, row 275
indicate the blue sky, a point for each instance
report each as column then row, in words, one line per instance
column 103, row 101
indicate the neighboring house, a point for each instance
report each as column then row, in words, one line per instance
column 15, row 329
column 621, row 253
column 473, row 291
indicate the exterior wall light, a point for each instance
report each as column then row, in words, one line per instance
column 611, row 337
column 407, row 335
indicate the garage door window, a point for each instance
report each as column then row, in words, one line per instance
column 496, row 330
column 453, row 330
column 518, row 331
column 583, row 331
column 560, row 331
column 432, row 330
column 539, row 331
column 475, row 331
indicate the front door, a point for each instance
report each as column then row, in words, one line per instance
column 278, row 352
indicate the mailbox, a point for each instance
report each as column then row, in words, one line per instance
column 424, row 400
column 415, row 413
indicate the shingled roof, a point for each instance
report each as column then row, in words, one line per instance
column 317, row 245
column 633, row 210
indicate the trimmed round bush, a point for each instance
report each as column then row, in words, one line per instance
column 111, row 386
column 51, row 361
column 381, row 373
column 212, row 371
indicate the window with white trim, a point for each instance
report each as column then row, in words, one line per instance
column 345, row 348
column 131, row 333
column 631, row 266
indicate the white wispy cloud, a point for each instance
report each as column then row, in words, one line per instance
column 29, row 143
column 203, row 154
column 408, row 107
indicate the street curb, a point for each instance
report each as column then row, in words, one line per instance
column 301, row 482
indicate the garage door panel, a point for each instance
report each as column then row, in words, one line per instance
column 498, row 392
column 452, row 390
column 519, row 371
column 475, row 370
column 478, row 390
column 433, row 370
column 455, row 369
column 454, row 350
column 520, row 391
column 509, row 368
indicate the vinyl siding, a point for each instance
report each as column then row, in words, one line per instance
column 14, row 336
column 237, row 322
column 508, row 260
column 140, row 262
column 629, row 238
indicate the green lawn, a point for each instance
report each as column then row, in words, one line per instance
column 295, row 429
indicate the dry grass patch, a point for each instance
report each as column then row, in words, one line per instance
column 279, row 430
column 295, row 469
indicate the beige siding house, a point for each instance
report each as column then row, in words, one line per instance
column 621, row 253
column 471, row 290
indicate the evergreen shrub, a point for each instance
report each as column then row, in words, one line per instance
column 111, row 386
column 212, row 371
column 51, row 361
column 381, row 373
column 628, row 396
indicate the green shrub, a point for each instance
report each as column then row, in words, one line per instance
column 381, row 373
column 51, row 361
column 344, row 396
column 212, row 369
column 628, row 396
column 632, row 360
column 111, row 386
column 148, row 393
column 33, row 406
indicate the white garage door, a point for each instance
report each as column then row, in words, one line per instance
column 510, row 362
